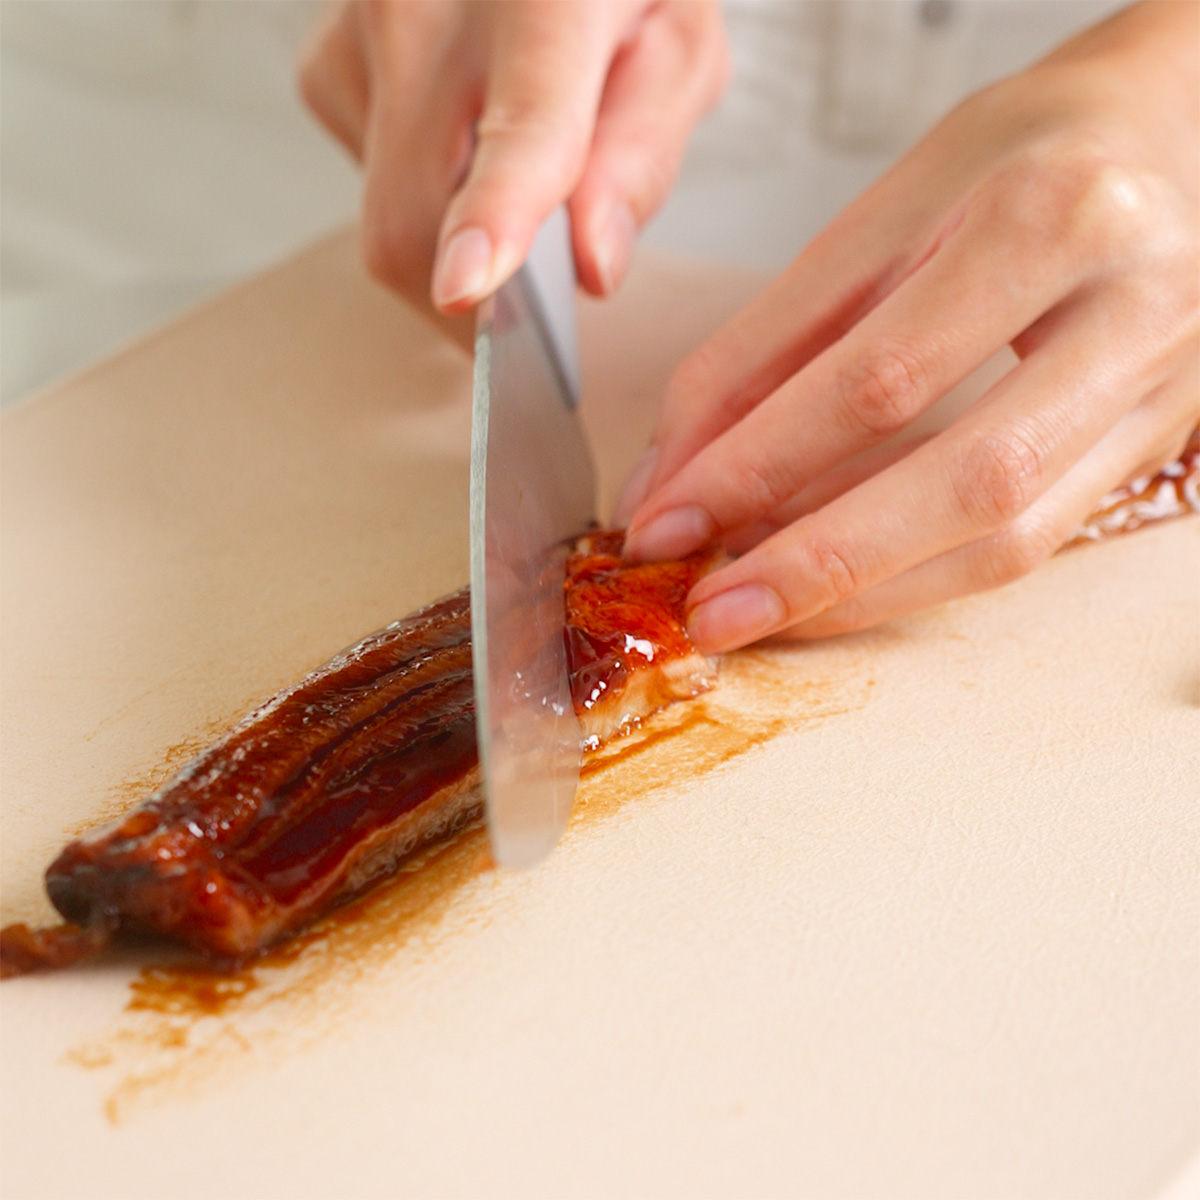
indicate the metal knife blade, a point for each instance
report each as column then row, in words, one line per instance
column 532, row 486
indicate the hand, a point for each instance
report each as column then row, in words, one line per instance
column 474, row 120
column 1057, row 212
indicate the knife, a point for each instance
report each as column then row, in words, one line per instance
column 532, row 487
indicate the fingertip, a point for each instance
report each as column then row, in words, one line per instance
column 675, row 533
column 735, row 617
column 613, row 238
column 604, row 233
column 463, row 268
column 469, row 268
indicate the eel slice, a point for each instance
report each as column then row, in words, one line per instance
column 629, row 652
column 332, row 783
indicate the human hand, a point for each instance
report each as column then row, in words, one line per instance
column 1057, row 212
column 473, row 121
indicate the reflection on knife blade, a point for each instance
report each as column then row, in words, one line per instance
column 532, row 486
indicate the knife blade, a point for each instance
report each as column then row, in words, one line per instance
column 532, row 487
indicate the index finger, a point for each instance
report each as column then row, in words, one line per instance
column 980, row 475
column 994, row 276
column 549, row 63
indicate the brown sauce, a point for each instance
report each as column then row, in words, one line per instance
column 336, row 781
column 156, row 1048
column 183, row 1025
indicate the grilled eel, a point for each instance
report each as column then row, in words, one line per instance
column 331, row 784
column 328, row 786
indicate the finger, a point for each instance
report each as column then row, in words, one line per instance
column 838, row 278
column 416, row 145
column 670, row 72
column 975, row 478
column 405, row 191
column 1148, row 435
column 997, row 274
column 332, row 76
column 548, row 68
column 875, row 243
column 1050, row 202
column 821, row 491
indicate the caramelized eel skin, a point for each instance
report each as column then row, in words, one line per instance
column 330, row 784
column 307, row 801
column 627, row 645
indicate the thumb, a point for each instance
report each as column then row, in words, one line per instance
column 550, row 61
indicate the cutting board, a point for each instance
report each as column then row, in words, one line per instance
column 906, row 913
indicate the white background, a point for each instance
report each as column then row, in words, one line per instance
column 155, row 151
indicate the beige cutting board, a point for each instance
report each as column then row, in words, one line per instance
column 911, row 913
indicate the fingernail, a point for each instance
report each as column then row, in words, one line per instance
column 614, row 246
column 637, row 487
column 735, row 617
column 464, row 267
column 672, row 534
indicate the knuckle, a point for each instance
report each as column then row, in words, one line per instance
column 998, row 479
column 1076, row 200
column 760, row 484
column 1015, row 551
column 1109, row 212
column 559, row 140
column 833, row 568
column 884, row 389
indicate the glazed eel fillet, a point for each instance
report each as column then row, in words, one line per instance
column 331, row 784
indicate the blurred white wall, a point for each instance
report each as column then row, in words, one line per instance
column 826, row 95
column 153, row 151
